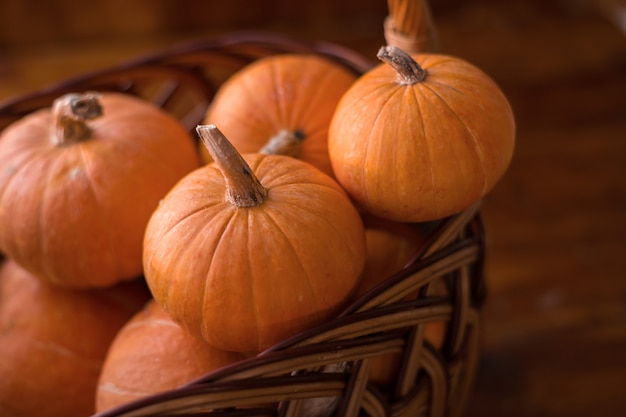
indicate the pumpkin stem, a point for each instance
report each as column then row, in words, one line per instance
column 408, row 70
column 286, row 142
column 409, row 26
column 71, row 112
column 243, row 188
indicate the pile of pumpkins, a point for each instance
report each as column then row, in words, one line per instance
column 137, row 257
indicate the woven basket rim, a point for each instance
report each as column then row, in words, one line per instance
column 268, row 39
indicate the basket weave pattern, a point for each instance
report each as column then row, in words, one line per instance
column 330, row 363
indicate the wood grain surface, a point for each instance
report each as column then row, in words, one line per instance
column 555, row 320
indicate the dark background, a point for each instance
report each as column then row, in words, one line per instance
column 555, row 321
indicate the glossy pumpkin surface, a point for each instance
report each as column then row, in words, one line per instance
column 53, row 341
column 245, row 278
column 421, row 149
column 389, row 247
column 74, row 211
column 282, row 104
column 152, row 354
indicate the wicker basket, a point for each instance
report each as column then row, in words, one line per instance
column 277, row 382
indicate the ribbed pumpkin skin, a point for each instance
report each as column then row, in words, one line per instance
column 53, row 341
column 421, row 152
column 390, row 247
column 75, row 214
column 282, row 92
column 153, row 354
column 244, row 279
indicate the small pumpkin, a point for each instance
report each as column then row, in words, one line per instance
column 79, row 181
column 281, row 104
column 251, row 249
column 421, row 137
column 53, row 341
column 390, row 246
column 153, row 354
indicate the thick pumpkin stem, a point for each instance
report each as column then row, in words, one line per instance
column 70, row 114
column 286, row 142
column 243, row 188
column 409, row 26
column 408, row 70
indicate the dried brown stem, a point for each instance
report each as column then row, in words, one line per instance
column 408, row 70
column 286, row 142
column 243, row 188
column 70, row 114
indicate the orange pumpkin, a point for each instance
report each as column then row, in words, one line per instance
column 421, row 137
column 390, row 246
column 281, row 104
column 153, row 354
column 53, row 341
column 80, row 181
column 252, row 249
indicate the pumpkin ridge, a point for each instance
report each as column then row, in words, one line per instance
column 433, row 182
column 325, row 219
column 281, row 105
column 300, row 208
column 250, row 92
column 156, row 250
column 397, row 89
column 295, row 182
column 286, row 238
column 233, row 219
column 273, row 177
column 277, row 109
column 434, row 83
column 86, row 169
column 377, row 79
column 63, row 351
column 477, row 146
column 190, row 214
column 440, row 59
column 45, row 265
column 269, row 215
column 212, row 205
column 464, row 72
column 285, row 115
column 21, row 167
column 147, row 150
column 309, row 105
column 252, row 281
column 206, row 283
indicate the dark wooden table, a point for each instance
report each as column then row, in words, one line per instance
column 555, row 321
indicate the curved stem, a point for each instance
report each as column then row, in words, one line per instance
column 243, row 188
column 408, row 70
column 70, row 114
column 286, row 142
